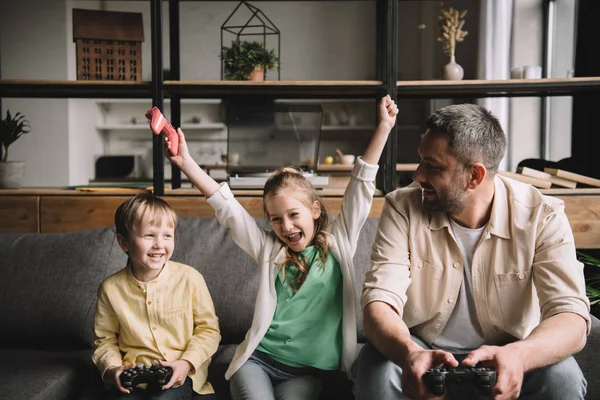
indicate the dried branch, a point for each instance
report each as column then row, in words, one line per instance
column 451, row 29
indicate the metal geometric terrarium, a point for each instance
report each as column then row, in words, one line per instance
column 248, row 23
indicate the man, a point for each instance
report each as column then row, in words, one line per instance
column 472, row 267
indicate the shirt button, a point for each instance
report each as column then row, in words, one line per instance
column 153, row 328
column 456, row 265
column 149, row 303
column 450, row 300
column 421, row 264
column 521, row 276
column 437, row 326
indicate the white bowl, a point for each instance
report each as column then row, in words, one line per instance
column 348, row 159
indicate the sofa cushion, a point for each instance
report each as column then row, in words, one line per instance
column 587, row 360
column 232, row 276
column 48, row 286
column 43, row 375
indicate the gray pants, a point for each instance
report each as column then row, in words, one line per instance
column 375, row 377
column 261, row 378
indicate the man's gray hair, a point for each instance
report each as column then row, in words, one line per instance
column 475, row 134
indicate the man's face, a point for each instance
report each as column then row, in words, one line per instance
column 442, row 178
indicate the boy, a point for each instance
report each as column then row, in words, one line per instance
column 154, row 309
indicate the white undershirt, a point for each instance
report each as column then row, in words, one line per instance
column 463, row 333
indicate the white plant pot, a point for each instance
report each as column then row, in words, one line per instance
column 11, row 174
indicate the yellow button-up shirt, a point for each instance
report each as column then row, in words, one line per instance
column 169, row 318
column 524, row 269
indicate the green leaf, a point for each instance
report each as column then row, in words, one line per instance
column 243, row 57
column 11, row 129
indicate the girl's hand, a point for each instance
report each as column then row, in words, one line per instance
column 183, row 155
column 387, row 112
column 181, row 369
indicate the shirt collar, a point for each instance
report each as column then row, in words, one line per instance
column 163, row 276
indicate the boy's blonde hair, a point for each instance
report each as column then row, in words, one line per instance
column 143, row 206
column 290, row 178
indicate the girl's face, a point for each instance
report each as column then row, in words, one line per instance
column 149, row 246
column 292, row 220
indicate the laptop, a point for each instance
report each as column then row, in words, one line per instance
column 264, row 136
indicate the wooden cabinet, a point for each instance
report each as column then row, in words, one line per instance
column 19, row 214
column 47, row 211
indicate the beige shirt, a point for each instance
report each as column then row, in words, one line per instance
column 172, row 317
column 524, row 269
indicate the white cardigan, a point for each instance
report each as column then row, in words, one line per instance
column 266, row 249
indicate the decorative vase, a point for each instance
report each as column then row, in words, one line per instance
column 452, row 71
column 258, row 74
column 11, row 174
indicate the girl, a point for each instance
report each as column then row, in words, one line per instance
column 305, row 318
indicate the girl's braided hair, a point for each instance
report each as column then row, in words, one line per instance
column 290, row 178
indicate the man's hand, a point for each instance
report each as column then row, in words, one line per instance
column 181, row 369
column 509, row 369
column 112, row 376
column 414, row 367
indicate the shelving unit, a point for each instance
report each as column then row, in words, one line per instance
column 161, row 93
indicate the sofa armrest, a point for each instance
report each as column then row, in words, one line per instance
column 588, row 360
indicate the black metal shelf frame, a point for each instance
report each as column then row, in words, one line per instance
column 387, row 63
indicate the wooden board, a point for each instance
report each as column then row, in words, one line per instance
column 584, row 216
column 19, row 214
column 586, row 180
column 539, row 183
column 555, row 180
column 71, row 213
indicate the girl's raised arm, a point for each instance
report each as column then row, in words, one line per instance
column 190, row 168
column 387, row 111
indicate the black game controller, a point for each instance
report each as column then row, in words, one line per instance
column 157, row 373
column 481, row 378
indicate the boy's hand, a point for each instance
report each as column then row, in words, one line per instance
column 181, row 369
column 183, row 155
column 112, row 376
column 387, row 112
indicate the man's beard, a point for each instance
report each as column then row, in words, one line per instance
column 452, row 200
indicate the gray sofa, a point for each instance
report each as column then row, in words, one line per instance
column 48, row 288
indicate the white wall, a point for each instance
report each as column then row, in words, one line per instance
column 563, row 62
column 319, row 41
column 525, row 124
column 32, row 46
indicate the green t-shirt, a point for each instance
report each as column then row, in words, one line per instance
column 306, row 329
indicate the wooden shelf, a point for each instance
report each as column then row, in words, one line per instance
column 280, row 89
column 496, row 88
column 24, row 88
column 145, row 127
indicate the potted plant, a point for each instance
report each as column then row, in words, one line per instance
column 247, row 60
column 451, row 32
column 592, row 280
column 11, row 129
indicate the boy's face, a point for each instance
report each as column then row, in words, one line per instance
column 149, row 246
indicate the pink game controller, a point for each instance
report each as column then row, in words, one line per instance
column 159, row 124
